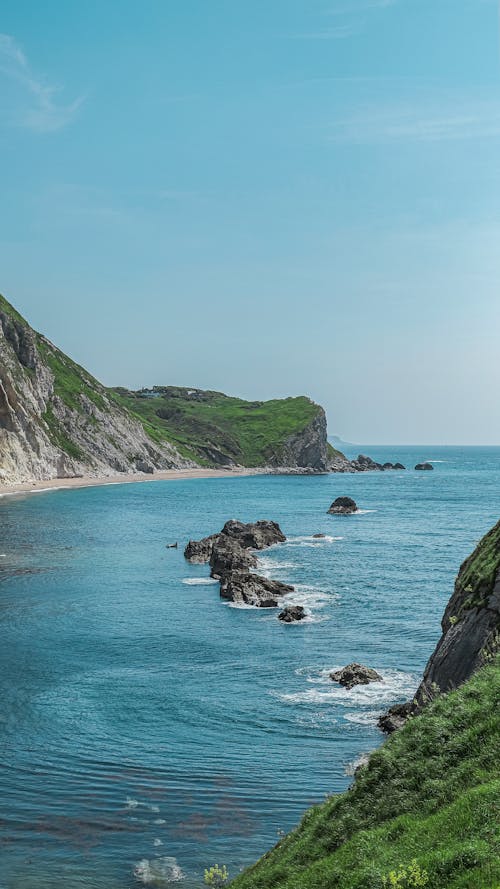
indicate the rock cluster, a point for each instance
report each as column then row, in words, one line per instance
column 355, row 674
column 231, row 555
column 343, row 506
column 362, row 463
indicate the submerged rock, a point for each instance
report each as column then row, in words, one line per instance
column 426, row 466
column 319, row 536
column 343, row 506
column 252, row 589
column 355, row 674
column 292, row 613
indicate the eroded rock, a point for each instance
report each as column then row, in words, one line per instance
column 343, row 506
column 245, row 588
column 292, row 614
column 355, row 674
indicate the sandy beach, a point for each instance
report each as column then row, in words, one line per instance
column 87, row 481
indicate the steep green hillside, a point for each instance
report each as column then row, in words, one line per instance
column 430, row 794
column 214, row 428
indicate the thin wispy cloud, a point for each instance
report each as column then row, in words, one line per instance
column 418, row 125
column 340, row 32
column 30, row 102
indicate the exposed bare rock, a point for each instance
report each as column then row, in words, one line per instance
column 355, row 674
column 343, row 506
column 254, row 535
column 424, row 466
column 200, row 550
column 245, row 588
column 292, row 613
column 228, row 555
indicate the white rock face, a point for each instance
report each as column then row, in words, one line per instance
column 53, row 431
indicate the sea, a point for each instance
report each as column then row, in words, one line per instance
column 149, row 730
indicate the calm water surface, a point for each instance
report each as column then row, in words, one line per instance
column 145, row 725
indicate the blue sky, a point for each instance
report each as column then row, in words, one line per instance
column 268, row 198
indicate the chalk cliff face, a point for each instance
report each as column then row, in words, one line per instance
column 58, row 421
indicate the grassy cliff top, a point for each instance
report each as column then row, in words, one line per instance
column 247, row 432
column 431, row 793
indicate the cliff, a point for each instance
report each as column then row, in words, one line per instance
column 218, row 430
column 57, row 420
column 471, row 622
column 423, row 811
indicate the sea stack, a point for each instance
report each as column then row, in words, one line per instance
column 343, row 506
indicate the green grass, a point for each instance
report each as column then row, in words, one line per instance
column 70, row 380
column 59, row 437
column 478, row 573
column 250, row 433
column 431, row 792
column 6, row 307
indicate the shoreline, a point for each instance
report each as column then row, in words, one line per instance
column 89, row 481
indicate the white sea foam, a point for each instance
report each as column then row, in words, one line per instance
column 159, row 821
column 364, row 511
column 351, row 767
column 199, row 581
column 310, row 541
column 154, row 809
column 158, row 871
column 395, row 684
column 157, row 842
column 132, row 803
column 363, row 717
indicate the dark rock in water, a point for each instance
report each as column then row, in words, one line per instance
column 343, row 506
column 254, row 535
column 355, row 674
column 395, row 717
column 292, row 613
column 426, row 466
column 252, row 589
column 228, row 555
column 399, row 466
column 200, row 550
column 362, row 463
column 318, row 536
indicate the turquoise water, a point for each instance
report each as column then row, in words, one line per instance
column 147, row 725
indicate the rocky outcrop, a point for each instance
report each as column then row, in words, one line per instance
column 199, row 551
column 424, row 466
column 355, row 674
column 57, row 421
column 343, row 506
column 252, row 589
column 362, row 463
column 470, row 628
column 292, row 613
column 251, row 535
column 306, row 448
column 228, row 556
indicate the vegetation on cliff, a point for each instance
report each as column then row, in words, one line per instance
column 213, row 428
column 431, row 793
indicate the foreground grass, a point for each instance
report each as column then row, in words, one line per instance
column 430, row 793
column 249, row 432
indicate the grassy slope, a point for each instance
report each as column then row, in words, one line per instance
column 250, row 432
column 431, row 793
